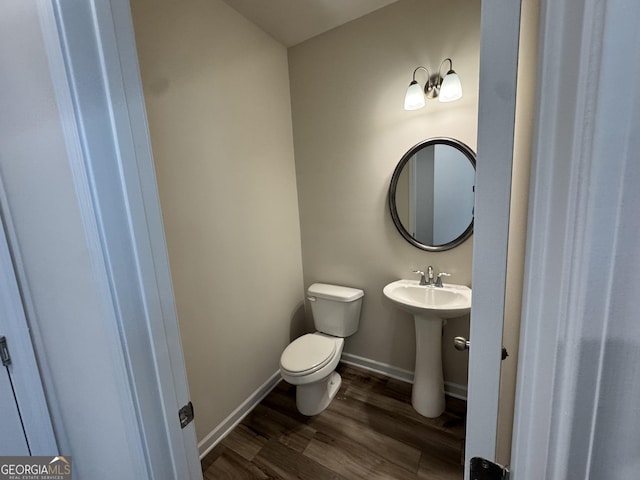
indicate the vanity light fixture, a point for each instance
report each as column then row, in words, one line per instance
column 445, row 88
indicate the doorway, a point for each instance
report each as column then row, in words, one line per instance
column 208, row 169
column 232, row 235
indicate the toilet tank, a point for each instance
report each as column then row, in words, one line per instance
column 335, row 309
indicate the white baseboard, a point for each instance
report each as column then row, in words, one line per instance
column 217, row 434
column 378, row 367
column 455, row 390
column 452, row 389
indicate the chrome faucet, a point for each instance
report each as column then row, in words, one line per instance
column 424, row 276
column 427, row 279
column 430, row 275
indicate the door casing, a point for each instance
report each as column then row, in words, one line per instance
column 118, row 70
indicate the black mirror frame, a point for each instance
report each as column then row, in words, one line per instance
column 471, row 156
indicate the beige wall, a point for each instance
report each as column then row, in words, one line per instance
column 350, row 131
column 217, row 95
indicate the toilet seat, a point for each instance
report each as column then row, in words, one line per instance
column 307, row 354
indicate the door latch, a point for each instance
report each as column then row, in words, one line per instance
column 186, row 415
column 462, row 344
column 4, row 352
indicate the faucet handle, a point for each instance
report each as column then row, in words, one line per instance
column 439, row 280
column 423, row 281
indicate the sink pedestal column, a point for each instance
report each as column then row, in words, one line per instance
column 427, row 396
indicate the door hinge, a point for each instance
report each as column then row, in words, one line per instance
column 186, row 415
column 4, row 352
column 483, row 469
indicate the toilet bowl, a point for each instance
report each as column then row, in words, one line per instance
column 309, row 362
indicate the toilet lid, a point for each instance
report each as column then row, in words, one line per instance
column 309, row 352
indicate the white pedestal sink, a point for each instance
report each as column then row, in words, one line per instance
column 429, row 306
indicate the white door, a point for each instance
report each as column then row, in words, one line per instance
column 24, row 418
column 500, row 30
column 12, row 440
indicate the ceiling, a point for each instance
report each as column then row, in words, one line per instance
column 294, row 21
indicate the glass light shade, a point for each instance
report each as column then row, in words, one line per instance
column 414, row 99
column 451, row 88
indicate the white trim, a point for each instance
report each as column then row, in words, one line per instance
column 224, row 428
column 76, row 137
column 452, row 389
column 582, row 182
column 63, row 86
column 69, row 73
column 123, row 225
column 378, row 367
column 455, row 390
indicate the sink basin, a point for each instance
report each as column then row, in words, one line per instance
column 449, row 301
column 429, row 307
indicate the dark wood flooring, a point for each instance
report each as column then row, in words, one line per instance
column 370, row 431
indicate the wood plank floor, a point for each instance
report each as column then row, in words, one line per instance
column 370, row 431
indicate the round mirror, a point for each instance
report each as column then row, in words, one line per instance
column 431, row 194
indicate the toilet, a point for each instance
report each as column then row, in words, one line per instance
column 309, row 362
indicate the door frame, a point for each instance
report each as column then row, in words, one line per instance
column 581, row 283
column 499, row 46
column 109, row 27
column 93, row 64
column 570, row 38
column 97, row 40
